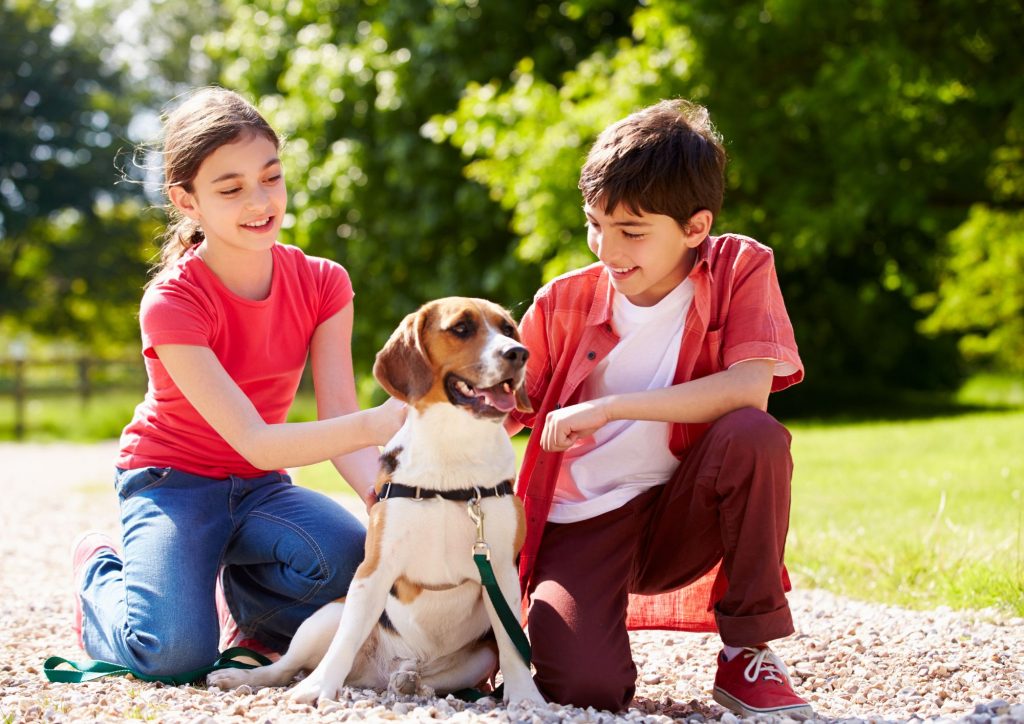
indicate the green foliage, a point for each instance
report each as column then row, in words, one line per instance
column 857, row 139
column 981, row 293
column 70, row 244
column 352, row 85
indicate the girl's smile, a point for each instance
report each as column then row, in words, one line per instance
column 238, row 196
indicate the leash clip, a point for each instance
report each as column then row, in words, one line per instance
column 476, row 514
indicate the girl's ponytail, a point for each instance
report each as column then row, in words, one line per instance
column 182, row 234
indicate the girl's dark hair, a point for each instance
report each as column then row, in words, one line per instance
column 208, row 119
column 664, row 159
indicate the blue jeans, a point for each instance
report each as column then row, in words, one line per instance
column 286, row 551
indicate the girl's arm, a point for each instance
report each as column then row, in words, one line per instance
column 745, row 384
column 334, row 382
column 207, row 386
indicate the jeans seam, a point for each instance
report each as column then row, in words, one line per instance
column 321, row 561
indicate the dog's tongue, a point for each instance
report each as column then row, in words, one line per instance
column 498, row 398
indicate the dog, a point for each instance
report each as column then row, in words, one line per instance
column 416, row 615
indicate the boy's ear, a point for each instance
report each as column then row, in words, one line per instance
column 698, row 227
column 184, row 202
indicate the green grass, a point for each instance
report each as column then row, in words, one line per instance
column 920, row 513
column 66, row 417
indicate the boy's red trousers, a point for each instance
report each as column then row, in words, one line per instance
column 728, row 501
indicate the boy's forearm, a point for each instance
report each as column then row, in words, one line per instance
column 746, row 384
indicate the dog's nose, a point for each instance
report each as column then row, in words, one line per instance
column 516, row 354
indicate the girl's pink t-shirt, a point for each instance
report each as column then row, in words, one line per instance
column 263, row 345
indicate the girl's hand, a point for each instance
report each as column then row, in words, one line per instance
column 370, row 498
column 564, row 427
column 388, row 418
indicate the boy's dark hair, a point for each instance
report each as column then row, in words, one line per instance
column 664, row 159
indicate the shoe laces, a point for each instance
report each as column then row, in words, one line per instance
column 764, row 663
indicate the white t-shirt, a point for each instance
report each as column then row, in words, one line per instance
column 626, row 457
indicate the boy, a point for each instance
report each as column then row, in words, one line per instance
column 656, row 486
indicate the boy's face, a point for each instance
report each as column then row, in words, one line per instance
column 646, row 255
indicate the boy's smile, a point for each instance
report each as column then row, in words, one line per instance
column 646, row 255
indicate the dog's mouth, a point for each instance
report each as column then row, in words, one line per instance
column 496, row 401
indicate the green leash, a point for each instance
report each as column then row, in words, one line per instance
column 81, row 671
column 482, row 558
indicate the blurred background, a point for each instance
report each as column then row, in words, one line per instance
column 433, row 148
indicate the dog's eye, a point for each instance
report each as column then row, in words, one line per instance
column 508, row 330
column 460, row 329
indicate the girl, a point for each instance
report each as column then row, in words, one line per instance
column 227, row 323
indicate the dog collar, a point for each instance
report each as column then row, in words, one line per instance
column 397, row 490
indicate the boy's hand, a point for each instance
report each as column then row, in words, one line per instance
column 564, row 427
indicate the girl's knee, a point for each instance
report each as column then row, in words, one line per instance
column 171, row 653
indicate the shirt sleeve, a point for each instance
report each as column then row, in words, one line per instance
column 170, row 315
column 758, row 326
column 334, row 288
column 533, row 331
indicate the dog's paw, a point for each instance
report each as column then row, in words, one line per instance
column 315, row 688
column 227, row 678
column 405, row 682
column 523, row 694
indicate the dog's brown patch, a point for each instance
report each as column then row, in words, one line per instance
column 374, row 534
column 520, row 525
column 389, row 459
column 388, row 465
column 405, row 590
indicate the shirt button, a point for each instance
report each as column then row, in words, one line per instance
column 591, row 354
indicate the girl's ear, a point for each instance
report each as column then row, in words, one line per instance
column 184, row 202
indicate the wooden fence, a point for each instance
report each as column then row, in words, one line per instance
column 81, row 376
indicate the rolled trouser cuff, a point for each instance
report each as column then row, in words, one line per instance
column 757, row 629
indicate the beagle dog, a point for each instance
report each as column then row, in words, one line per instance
column 416, row 615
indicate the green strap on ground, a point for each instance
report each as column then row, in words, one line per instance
column 81, row 671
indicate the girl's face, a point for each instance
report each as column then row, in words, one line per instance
column 238, row 195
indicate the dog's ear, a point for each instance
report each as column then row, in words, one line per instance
column 523, row 399
column 402, row 367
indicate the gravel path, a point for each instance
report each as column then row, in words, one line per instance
column 851, row 660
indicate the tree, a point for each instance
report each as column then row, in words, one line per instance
column 859, row 138
column 351, row 86
column 981, row 290
column 60, row 127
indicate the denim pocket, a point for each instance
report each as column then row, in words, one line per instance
column 132, row 482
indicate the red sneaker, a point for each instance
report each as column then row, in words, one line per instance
column 83, row 550
column 755, row 682
column 230, row 634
